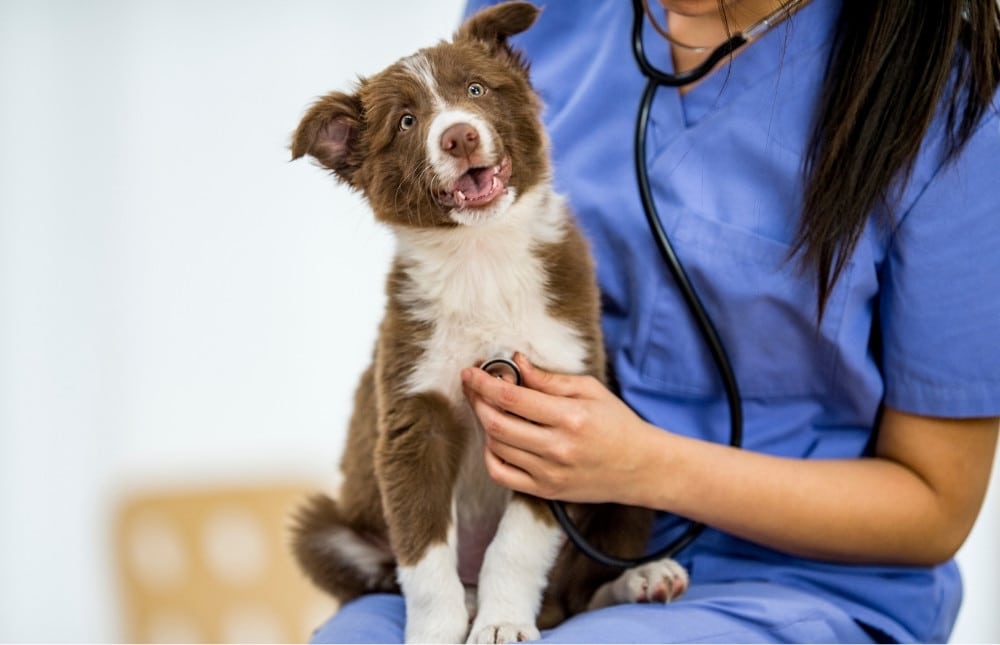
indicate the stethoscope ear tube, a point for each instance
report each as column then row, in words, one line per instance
column 658, row 76
column 655, row 79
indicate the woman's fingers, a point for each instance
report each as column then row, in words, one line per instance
column 554, row 383
column 537, row 407
column 507, row 474
column 510, row 429
column 549, row 437
column 518, row 469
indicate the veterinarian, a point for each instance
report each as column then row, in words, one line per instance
column 833, row 191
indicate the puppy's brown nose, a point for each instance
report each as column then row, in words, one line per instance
column 460, row 140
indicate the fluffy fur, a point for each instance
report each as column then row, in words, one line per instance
column 447, row 148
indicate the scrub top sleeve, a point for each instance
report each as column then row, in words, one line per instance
column 940, row 302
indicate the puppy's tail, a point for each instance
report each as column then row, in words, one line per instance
column 343, row 560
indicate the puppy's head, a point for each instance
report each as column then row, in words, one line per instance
column 447, row 136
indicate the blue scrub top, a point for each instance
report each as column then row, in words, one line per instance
column 725, row 160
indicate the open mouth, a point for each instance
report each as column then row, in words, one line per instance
column 478, row 187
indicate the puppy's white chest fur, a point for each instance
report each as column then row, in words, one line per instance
column 485, row 291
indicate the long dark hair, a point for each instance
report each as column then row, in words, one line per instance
column 894, row 65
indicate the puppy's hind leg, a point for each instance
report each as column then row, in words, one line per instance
column 657, row 581
column 624, row 530
column 578, row 583
column 420, row 451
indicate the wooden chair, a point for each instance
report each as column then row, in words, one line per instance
column 214, row 566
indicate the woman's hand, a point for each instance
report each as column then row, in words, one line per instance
column 559, row 436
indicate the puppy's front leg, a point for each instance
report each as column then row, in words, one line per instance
column 515, row 572
column 418, row 456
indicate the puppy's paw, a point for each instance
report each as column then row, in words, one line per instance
column 504, row 633
column 660, row 581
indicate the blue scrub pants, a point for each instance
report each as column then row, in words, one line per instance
column 735, row 612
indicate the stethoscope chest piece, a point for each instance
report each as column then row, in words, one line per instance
column 504, row 369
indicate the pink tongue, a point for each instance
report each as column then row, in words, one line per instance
column 475, row 183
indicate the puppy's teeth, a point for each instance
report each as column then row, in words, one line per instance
column 459, row 196
column 495, row 184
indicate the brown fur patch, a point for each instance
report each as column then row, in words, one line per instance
column 417, row 461
column 574, row 299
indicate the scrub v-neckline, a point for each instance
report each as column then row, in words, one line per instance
column 753, row 63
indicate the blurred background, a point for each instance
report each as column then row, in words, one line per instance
column 184, row 313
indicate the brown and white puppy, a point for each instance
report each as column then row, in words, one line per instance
column 447, row 147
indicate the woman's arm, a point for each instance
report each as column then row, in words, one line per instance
column 913, row 503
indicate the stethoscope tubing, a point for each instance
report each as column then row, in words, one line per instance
column 656, row 78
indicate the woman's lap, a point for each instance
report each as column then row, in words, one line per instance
column 740, row 612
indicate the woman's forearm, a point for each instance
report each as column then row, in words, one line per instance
column 822, row 509
column 856, row 510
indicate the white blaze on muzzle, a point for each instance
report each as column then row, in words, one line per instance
column 470, row 173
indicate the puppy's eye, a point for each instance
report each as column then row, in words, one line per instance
column 476, row 90
column 407, row 122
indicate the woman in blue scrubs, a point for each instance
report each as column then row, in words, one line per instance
column 833, row 146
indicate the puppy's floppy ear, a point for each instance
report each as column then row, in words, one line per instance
column 494, row 25
column 329, row 133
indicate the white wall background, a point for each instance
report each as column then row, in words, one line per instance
column 178, row 303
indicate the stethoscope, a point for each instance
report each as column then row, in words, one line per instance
column 656, row 78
